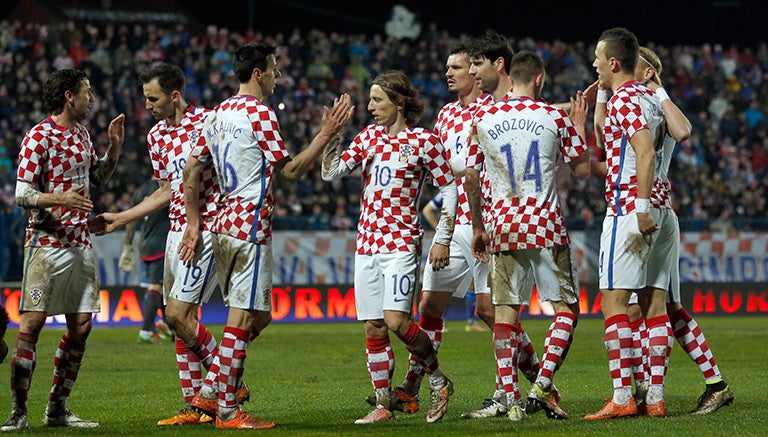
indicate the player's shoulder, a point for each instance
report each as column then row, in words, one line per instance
column 422, row 134
column 43, row 132
column 44, row 127
column 197, row 113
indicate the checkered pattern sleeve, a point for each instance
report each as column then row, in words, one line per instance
column 624, row 118
column 572, row 145
column 356, row 153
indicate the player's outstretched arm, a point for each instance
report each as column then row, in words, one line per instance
column 333, row 121
column 156, row 201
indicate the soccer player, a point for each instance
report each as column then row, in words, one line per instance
column 452, row 127
column 154, row 233
column 665, row 253
column 518, row 142
column 241, row 138
column 396, row 157
column 628, row 229
column 186, row 285
column 490, row 58
column 57, row 164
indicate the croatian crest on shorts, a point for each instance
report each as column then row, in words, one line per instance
column 406, row 150
column 36, row 295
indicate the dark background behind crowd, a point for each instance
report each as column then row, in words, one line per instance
column 718, row 175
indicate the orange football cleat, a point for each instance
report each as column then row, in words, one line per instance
column 613, row 411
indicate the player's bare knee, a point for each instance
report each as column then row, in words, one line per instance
column 78, row 327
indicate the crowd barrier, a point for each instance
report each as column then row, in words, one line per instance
column 327, row 257
column 720, row 274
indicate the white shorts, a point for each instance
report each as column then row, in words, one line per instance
column 385, row 282
column 192, row 282
column 461, row 270
column 60, row 281
column 245, row 270
column 665, row 252
column 624, row 251
column 551, row 269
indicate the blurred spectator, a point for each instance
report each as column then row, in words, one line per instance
column 722, row 90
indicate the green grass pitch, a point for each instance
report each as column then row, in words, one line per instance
column 311, row 380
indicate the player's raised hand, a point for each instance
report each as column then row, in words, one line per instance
column 579, row 109
column 339, row 115
column 116, row 131
column 590, row 94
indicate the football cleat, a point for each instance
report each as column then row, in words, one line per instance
column 489, row 408
column 187, row 416
column 64, row 417
column 147, row 340
column 210, row 406
column 204, row 405
column 243, row 420
column 243, row 393
column 613, row 411
column 538, row 399
column 438, row 401
column 712, row 399
column 476, row 327
column 16, row 422
column 378, row 414
column 164, row 331
column 517, row 414
column 402, row 401
column 659, row 409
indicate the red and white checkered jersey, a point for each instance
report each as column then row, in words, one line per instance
column 624, row 117
column 519, row 142
column 661, row 192
column 53, row 159
column 393, row 173
column 453, row 125
column 169, row 147
column 242, row 138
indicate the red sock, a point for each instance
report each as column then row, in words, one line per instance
column 66, row 367
column 618, row 343
column 190, row 370
column 232, row 354
column 558, row 342
column 22, row 366
column 381, row 361
column 689, row 335
column 505, row 341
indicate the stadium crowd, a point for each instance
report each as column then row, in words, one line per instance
column 718, row 175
